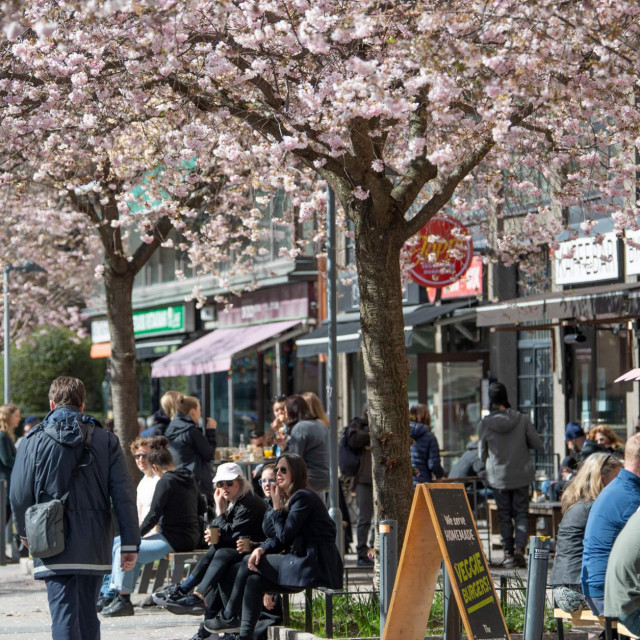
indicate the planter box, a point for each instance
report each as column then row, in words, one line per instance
column 282, row 633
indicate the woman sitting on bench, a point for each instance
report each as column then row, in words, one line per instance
column 304, row 531
column 596, row 472
column 239, row 514
column 175, row 508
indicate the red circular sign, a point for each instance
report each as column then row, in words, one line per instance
column 441, row 253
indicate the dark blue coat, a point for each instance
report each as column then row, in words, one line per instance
column 192, row 450
column 44, row 468
column 308, row 536
column 425, row 454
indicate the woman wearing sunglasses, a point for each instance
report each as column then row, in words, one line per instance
column 239, row 514
column 175, row 509
column 305, row 533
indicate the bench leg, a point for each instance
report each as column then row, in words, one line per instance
column 328, row 605
column 161, row 574
column 178, row 571
column 560, row 628
column 286, row 613
column 145, row 577
column 608, row 634
column 308, row 611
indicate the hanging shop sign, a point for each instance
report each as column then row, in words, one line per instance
column 441, row 253
column 587, row 259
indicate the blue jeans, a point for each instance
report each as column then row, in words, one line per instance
column 632, row 622
column 151, row 548
column 72, row 603
column 107, row 591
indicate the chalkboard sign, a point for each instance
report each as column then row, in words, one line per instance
column 467, row 565
column 441, row 527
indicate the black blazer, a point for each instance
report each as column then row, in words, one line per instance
column 308, row 536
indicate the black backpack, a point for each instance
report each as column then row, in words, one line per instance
column 348, row 458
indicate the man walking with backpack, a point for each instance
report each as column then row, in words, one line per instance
column 70, row 457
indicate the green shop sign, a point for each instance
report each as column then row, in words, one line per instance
column 151, row 322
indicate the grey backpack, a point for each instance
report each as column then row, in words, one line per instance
column 44, row 521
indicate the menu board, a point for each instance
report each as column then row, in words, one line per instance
column 441, row 527
column 467, row 565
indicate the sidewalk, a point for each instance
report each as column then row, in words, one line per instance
column 24, row 614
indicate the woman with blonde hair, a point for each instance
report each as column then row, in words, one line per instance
column 9, row 420
column 595, row 473
column 190, row 448
column 316, row 408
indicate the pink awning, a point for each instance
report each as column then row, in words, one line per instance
column 214, row 352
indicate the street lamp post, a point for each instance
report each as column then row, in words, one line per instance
column 29, row 267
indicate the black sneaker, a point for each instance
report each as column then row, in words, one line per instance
column 190, row 605
column 171, row 593
column 519, row 559
column 118, row 609
column 366, row 562
column 103, row 602
column 220, row 623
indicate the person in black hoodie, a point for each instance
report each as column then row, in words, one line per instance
column 189, row 447
column 175, row 508
column 301, row 554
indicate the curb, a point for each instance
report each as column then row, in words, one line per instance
column 284, row 633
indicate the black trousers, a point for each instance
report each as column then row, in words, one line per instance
column 364, row 498
column 249, row 587
column 512, row 506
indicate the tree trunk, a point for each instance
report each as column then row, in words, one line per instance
column 119, row 287
column 385, row 365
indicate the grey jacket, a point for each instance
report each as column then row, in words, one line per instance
column 569, row 545
column 505, row 439
column 310, row 440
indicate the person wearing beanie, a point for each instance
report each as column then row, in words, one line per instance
column 574, row 436
column 506, row 436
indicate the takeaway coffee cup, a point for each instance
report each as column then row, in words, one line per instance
column 246, row 543
column 214, row 534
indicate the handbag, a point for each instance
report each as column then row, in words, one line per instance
column 44, row 521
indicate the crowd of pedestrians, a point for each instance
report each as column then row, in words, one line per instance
column 271, row 534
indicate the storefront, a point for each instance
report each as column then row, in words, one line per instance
column 239, row 366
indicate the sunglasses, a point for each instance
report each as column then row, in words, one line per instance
column 269, row 481
column 140, row 456
column 282, row 470
column 224, row 483
column 279, row 398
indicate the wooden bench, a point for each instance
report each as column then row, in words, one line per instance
column 586, row 618
column 173, row 564
column 550, row 512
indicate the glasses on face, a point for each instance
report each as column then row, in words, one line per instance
column 279, row 398
column 269, row 481
column 140, row 456
column 282, row 470
column 224, row 483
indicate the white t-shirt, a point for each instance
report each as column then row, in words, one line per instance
column 144, row 495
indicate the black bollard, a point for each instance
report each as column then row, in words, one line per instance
column 388, row 566
column 536, row 587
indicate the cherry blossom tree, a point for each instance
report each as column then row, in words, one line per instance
column 405, row 109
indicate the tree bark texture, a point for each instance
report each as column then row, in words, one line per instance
column 385, row 365
column 119, row 287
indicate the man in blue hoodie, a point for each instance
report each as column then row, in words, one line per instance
column 52, row 461
column 617, row 502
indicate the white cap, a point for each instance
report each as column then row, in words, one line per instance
column 228, row 471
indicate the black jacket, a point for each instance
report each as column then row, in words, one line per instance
column 425, row 454
column 243, row 519
column 175, row 509
column 192, row 450
column 44, row 468
column 359, row 439
column 308, row 536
